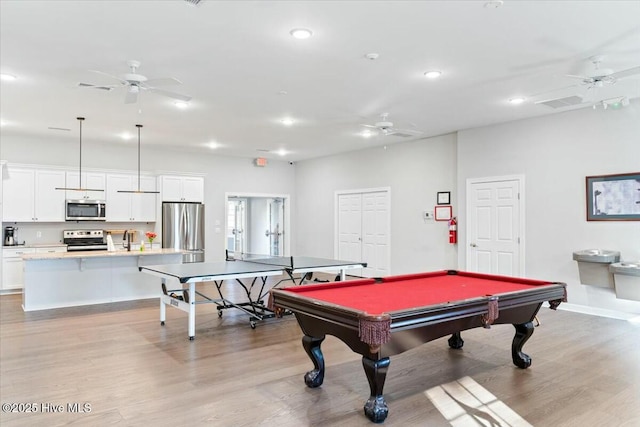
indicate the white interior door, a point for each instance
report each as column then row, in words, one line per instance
column 350, row 228
column 236, row 225
column 375, row 233
column 276, row 230
column 495, row 226
column 363, row 220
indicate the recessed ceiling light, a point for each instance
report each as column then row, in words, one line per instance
column 301, row 33
column 287, row 121
column 181, row 105
column 282, row 152
column 433, row 74
column 372, row 56
column 517, row 100
column 367, row 134
column 7, row 77
column 2, row 123
column 213, row 145
column 126, row 136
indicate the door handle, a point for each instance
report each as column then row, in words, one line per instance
column 473, row 245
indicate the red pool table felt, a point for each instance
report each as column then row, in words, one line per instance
column 415, row 290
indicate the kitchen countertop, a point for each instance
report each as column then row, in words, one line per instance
column 99, row 254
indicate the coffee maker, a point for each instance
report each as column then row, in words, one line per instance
column 9, row 236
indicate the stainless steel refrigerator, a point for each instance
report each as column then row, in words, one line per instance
column 183, row 228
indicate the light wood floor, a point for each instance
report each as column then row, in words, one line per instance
column 134, row 372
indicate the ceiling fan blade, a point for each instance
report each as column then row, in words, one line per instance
column 101, row 87
column 369, row 126
column 131, row 97
column 626, row 73
column 169, row 94
column 583, row 78
column 409, row 131
column 168, row 81
column 124, row 82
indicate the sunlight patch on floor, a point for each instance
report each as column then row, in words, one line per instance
column 466, row 403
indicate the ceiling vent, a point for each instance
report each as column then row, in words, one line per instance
column 193, row 2
column 562, row 102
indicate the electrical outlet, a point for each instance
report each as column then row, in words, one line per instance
column 427, row 215
column 39, row 234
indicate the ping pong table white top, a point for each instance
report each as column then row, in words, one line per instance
column 201, row 272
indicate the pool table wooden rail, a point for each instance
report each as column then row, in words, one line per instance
column 416, row 324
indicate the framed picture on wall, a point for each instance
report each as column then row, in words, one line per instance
column 613, row 197
column 444, row 198
column 443, row 213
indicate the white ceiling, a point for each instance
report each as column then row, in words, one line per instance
column 235, row 57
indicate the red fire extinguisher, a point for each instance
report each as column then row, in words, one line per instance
column 453, row 231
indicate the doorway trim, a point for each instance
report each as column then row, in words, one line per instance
column 521, row 219
column 287, row 214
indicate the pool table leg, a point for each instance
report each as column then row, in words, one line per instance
column 312, row 346
column 376, row 408
column 456, row 341
column 523, row 333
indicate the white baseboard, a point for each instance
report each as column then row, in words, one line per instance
column 594, row 311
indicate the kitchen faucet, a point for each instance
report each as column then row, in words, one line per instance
column 127, row 236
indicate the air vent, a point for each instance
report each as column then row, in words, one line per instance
column 193, row 2
column 401, row 135
column 562, row 102
column 55, row 128
column 263, row 150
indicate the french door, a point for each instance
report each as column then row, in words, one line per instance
column 362, row 230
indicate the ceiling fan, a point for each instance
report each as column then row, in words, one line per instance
column 601, row 76
column 134, row 83
column 386, row 128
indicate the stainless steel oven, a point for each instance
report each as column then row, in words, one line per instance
column 84, row 240
column 85, row 210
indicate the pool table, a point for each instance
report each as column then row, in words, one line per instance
column 378, row 318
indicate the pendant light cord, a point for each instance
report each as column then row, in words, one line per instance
column 80, row 119
column 138, row 126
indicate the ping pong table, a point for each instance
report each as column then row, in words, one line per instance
column 250, row 272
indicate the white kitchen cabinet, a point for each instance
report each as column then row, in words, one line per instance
column 12, row 267
column 30, row 195
column 91, row 180
column 130, row 207
column 175, row 188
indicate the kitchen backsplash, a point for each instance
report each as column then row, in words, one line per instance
column 45, row 233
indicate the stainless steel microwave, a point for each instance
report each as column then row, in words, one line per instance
column 85, row 210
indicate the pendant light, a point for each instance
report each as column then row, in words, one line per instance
column 138, row 191
column 79, row 188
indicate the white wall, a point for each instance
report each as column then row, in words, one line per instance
column 415, row 172
column 223, row 174
column 556, row 153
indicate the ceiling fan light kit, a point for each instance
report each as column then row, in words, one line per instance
column 136, row 83
column 79, row 188
column 138, row 191
column 386, row 128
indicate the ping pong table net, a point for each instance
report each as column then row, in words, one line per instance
column 285, row 262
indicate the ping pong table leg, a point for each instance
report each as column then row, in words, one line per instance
column 192, row 311
column 163, row 309
column 343, row 275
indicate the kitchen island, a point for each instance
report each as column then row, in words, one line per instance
column 67, row 279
